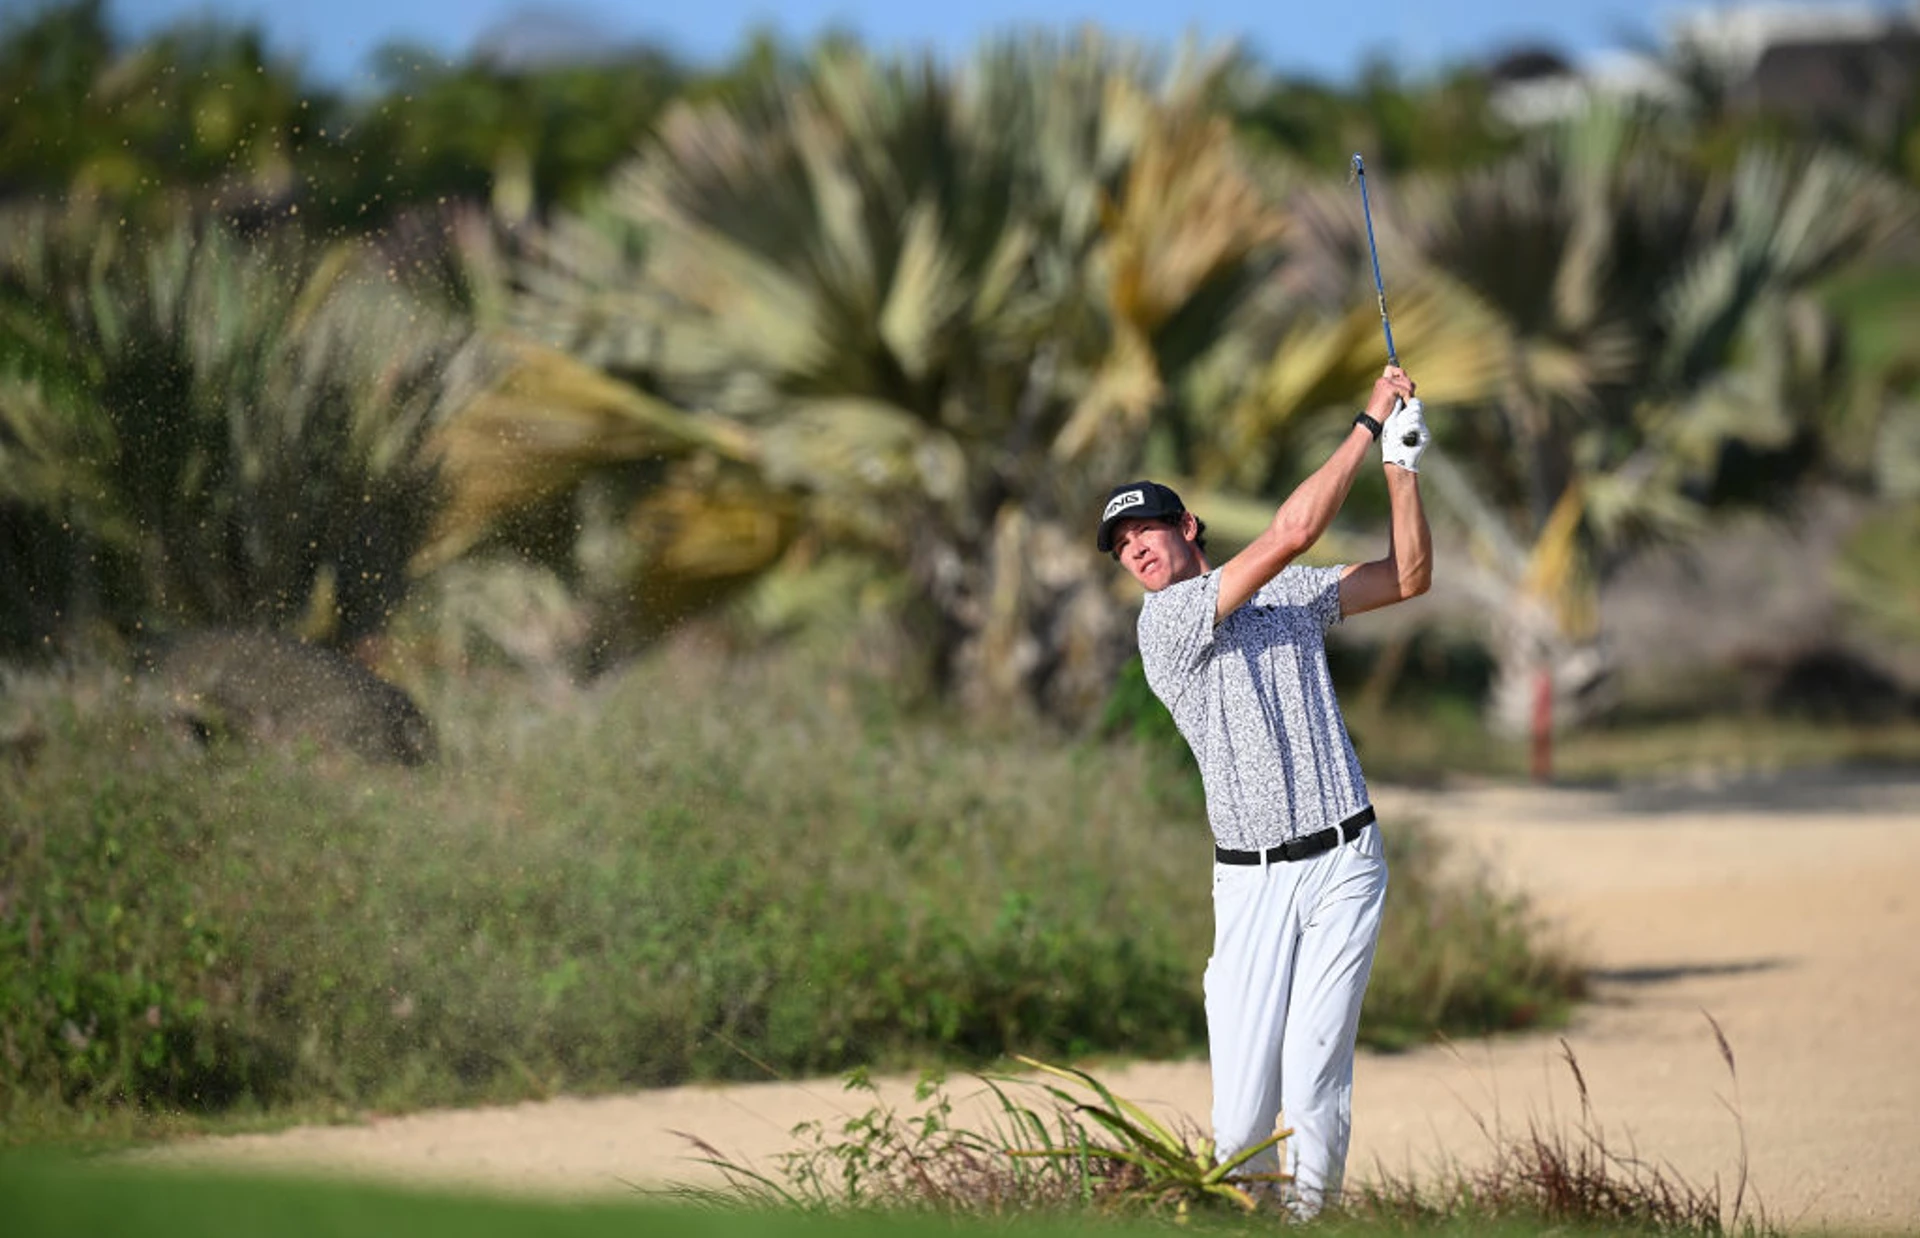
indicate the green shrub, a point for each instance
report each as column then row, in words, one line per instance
column 711, row 867
column 663, row 882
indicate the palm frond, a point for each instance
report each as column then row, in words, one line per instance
column 540, row 423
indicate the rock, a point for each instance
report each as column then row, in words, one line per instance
column 262, row 686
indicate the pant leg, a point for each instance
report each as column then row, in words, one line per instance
column 1331, row 969
column 1248, row 982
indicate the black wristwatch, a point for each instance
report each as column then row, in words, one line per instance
column 1373, row 427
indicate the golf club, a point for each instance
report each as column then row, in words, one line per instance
column 1373, row 252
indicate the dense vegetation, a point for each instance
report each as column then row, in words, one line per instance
column 705, row 869
column 667, row 330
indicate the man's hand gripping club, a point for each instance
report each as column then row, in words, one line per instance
column 1404, row 436
column 1310, row 509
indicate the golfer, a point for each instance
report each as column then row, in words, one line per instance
column 1237, row 654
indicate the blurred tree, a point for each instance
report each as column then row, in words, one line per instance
column 49, row 60
column 1399, row 126
column 945, row 310
column 1615, row 338
column 195, row 430
column 201, row 109
column 1663, row 337
column 201, row 115
column 519, row 136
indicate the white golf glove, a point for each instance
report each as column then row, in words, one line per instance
column 1404, row 436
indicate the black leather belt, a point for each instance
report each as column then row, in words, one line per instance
column 1306, row 846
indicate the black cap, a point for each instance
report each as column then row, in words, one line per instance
column 1137, row 500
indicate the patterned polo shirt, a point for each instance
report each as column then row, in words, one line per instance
column 1255, row 701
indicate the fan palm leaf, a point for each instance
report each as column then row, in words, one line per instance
column 539, row 426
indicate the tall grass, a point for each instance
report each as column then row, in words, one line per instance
column 708, row 867
column 1560, row 1175
column 1041, row 1149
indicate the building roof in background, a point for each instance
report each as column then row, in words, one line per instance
column 1808, row 58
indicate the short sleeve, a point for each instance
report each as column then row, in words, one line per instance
column 1313, row 589
column 1176, row 631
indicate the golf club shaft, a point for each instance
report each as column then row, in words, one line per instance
column 1373, row 251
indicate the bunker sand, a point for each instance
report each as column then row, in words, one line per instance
column 1790, row 914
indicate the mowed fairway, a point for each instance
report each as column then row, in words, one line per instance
column 48, row 1199
column 44, row 1199
column 1788, row 913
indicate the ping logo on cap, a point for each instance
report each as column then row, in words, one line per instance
column 1121, row 502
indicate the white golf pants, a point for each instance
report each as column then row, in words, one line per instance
column 1292, row 949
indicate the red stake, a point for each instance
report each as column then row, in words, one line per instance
column 1543, row 725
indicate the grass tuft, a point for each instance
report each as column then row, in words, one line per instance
column 1561, row 1177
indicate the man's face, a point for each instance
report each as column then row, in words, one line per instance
column 1157, row 552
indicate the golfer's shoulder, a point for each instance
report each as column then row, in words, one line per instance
column 1180, row 600
column 1178, row 615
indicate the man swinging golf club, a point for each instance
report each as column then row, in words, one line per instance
column 1236, row 654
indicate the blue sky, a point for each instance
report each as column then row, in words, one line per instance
column 335, row 39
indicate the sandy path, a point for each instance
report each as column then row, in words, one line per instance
column 1793, row 916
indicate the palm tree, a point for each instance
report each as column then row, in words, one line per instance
column 1623, row 317
column 936, row 313
column 207, row 431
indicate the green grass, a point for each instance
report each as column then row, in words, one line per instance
column 48, row 1198
column 52, row 1199
column 712, row 867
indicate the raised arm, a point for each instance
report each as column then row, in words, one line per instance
column 1308, row 511
column 1407, row 569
